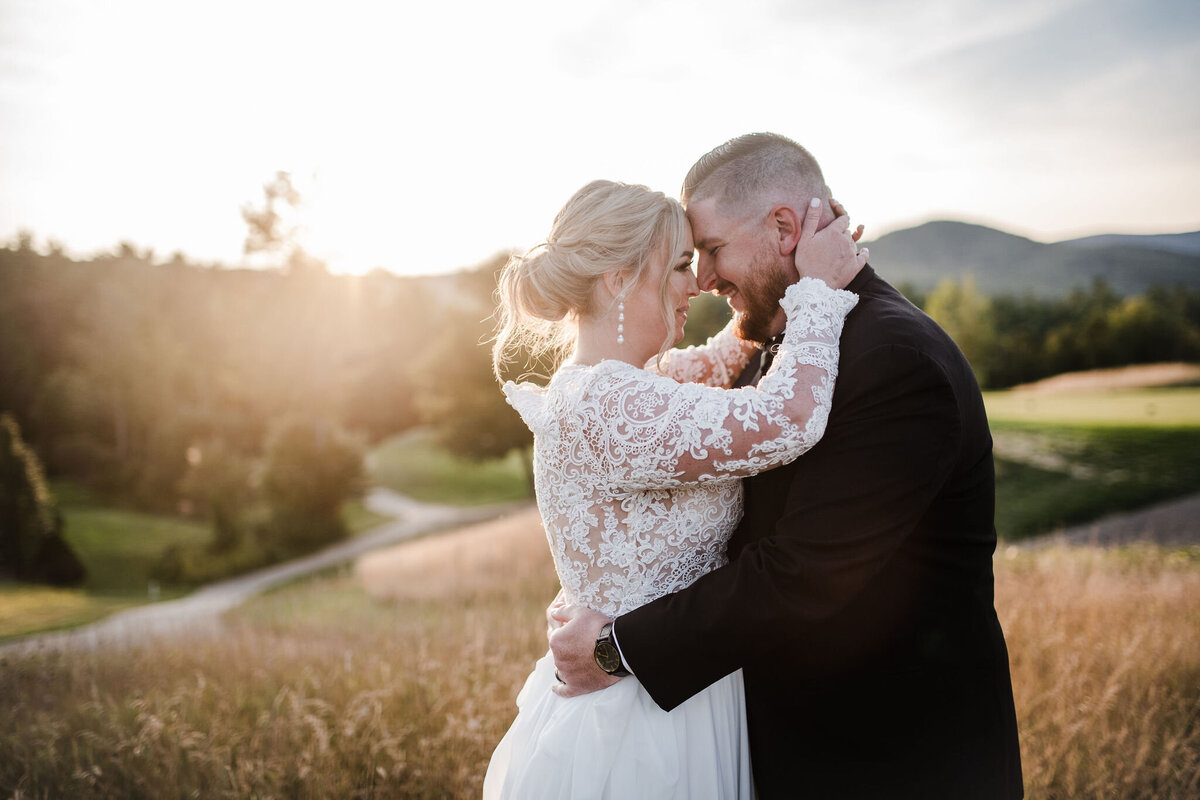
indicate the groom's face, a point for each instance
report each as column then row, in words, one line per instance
column 738, row 261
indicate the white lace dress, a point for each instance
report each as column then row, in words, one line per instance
column 638, row 483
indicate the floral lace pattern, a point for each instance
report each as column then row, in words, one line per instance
column 637, row 474
column 717, row 362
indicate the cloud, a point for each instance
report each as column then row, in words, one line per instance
column 1090, row 50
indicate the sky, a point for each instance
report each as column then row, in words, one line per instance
column 427, row 136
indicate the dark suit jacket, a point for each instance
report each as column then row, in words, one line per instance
column 859, row 595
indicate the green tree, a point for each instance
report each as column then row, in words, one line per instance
column 458, row 395
column 311, row 469
column 966, row 314
column 219, row 480
column 31, row 544
column 1083, row 339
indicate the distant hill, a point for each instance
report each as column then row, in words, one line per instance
column 1171, row 242
column 1003, row 263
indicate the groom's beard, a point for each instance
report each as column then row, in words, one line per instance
column 761, row 293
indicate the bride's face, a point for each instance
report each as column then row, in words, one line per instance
column 645, row 304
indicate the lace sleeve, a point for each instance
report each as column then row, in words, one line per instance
column 656, row 433
column 717, row 362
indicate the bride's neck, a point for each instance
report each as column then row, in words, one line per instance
column 597, row 341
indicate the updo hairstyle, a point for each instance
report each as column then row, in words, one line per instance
column 605, row 226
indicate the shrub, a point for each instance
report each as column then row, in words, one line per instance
column 219, row 482
column 31, row 543
column 311, row 469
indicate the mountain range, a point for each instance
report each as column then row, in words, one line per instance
column 1003, row 263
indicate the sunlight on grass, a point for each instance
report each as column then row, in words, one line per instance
column 399, row 680
column 413, row 464
column 26, row 609
column 1105, row 654
column 1174, row 407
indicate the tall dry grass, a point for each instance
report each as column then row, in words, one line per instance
column 1105, row 655
column 315, row 691
column 326, row 689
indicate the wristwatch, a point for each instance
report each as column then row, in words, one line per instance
column 608, row 657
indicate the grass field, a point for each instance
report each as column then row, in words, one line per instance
column 1070, row 457
column 397, row 681
column 1155, row 408
column 26, row 608
column 119, row 548
column 1049, row 476
column 413, row 464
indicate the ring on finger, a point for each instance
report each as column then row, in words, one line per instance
column 558, row 677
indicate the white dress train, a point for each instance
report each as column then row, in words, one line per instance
column 616, row 743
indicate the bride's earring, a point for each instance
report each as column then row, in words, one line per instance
column 621, row 322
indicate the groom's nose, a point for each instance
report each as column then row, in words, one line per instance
column 706, row 273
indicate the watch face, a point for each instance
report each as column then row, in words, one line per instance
column 607, row 657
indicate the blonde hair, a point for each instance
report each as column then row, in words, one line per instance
column 605, row 226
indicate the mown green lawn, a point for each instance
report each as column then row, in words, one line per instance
column 1069, row 458
column 1104, row 470
column 120, row 548
column 1156, row 408
column 413, row 464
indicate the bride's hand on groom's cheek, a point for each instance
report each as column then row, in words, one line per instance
column 829, row 254
column 573, row 643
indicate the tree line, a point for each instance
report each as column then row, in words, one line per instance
column 1011, row 340
column 179, row 388
column 210, row 391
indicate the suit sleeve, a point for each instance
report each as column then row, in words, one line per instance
column 890, row 445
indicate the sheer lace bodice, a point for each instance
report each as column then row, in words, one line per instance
column 637, row 474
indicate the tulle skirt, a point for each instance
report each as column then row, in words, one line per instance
column 618, row 744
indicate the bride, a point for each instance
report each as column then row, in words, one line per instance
column 638, row 452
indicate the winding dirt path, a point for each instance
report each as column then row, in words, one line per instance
column 1174, row 523
column 200, row 612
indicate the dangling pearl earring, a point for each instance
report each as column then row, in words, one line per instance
column 621, row 322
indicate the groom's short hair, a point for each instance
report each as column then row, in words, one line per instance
column 755, row 164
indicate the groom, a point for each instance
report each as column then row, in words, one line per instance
column 859, row 595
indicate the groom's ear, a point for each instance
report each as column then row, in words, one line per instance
column 784, row 227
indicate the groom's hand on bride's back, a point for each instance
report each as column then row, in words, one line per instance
column 573, row 631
